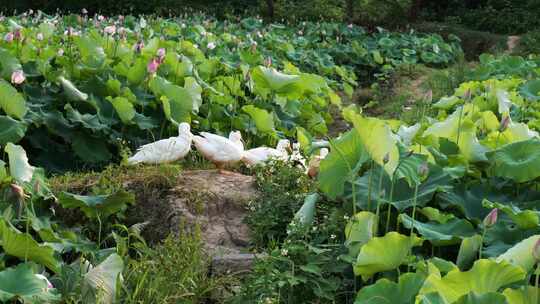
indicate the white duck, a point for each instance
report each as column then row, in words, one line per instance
column 263, row 154
column 165, row 150
column 315, row 163
column 220, row 150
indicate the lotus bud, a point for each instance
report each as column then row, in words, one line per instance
column 161, row 53
column 44, row 278
column 428, row 98
column 350, row 25
column 504, row 123
column 467, row 95
column 84, row 11
column 153, row 66
column 491, row 218
column 386, row 158
column 536, row 251
column 18, row 191
column 121, row 18
column 100, row 18
column 9, row 37
column 423, row 170
column 39, row 36
column 17, row 77
column 17, row 34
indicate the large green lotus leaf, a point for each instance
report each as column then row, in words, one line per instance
column 468, row 199
column 71, row 91
column 264, row 121
column 8, row 64
column 19, row 168
column 514, row 132
column 195, row 90
column 436, row 215
column 440, row 234
column 11, row 130
column 92, row 54
column 22, row 283
column 306, row 213
column 359, row 230
column 386, row 291
column 137, row 72
column 270, row 79
column 3, row 172
column 90, row 149
column 525, row 219
column 177, row 101
column 483, row 298
column 408, row 167
column 468, row 251
column 468, row 144
column 521, row 253
column 531, row 90
column 98, row 205
column 438, row 181
column 100, row 282
column 447, row 102
column 375, row 255
column 124, row 109
column 88, row 121
column 523, row 295
column 519, row 161
column 378, row 140
column 347, row 153
column 23, row 246
column 11, row 101
column 485, row 276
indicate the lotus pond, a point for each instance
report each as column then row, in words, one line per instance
column 441, row 211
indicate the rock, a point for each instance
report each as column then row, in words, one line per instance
column 213, row 202
column 237, row 264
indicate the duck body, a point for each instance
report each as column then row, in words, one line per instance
column 165, row 150
column 261, row 155
column 220, row 150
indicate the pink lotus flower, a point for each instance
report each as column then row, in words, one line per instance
column 9, row 37
column 100, row 18
column 39, row 36
column 211, row 45
column 153, row 66
column 17, row 77
column 18, row 34
column 161, row 52
column 491, row 218
column 110, row 30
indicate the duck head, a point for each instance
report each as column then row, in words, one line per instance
column 184, row 129
column 236, row 137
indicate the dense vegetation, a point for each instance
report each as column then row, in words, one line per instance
column 437, row 208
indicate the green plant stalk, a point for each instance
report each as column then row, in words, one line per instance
column 99, row 230
column 369, row 187
column 484, row 230
column 389, row 210
column 413, row 219
column 377, row 212
column 536, row 280
column 459, row 124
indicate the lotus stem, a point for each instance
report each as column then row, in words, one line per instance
column 413, row 219
column 484, row 230
column 459, row 124
column 378, row 209
column 99, row 230
column 536, row 280
column 369, row 187
column 389, row 210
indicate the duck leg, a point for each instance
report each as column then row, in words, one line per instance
column 221, row 169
